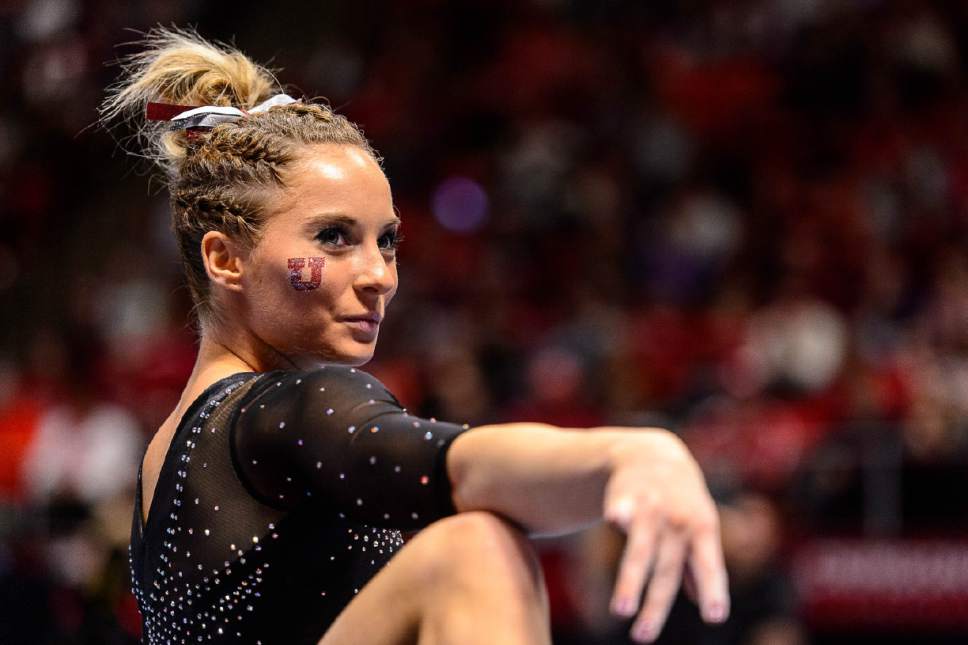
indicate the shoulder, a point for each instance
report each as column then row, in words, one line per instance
column 335, row 374
column 340, row 380
column 329, row 382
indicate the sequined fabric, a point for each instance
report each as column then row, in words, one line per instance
column 281, row 495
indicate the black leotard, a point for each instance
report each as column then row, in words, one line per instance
column 281, row 495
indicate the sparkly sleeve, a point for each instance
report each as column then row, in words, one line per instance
column 337, row 439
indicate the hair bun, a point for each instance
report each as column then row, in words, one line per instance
column 178, row 66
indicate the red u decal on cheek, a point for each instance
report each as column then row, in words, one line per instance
column 296, row 266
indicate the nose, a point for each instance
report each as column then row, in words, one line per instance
column 375, row 274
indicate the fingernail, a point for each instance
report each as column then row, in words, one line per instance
column 716, row 613
column 644, row 631
column 624, row 607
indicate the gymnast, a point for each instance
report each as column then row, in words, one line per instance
column 270, row 503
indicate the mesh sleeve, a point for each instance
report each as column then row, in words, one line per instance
column 336, row 437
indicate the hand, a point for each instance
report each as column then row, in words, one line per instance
column 657, row 495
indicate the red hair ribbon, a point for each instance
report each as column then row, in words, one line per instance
column 165, row 111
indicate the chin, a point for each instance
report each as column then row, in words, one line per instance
column 358, row 361
column 355, row 356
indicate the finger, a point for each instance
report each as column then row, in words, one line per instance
column 636, row 562
column 712, row 583
column 663, row 587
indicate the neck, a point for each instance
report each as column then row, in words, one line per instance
column 226, row 349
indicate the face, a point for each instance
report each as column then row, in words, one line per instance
column 317, row 284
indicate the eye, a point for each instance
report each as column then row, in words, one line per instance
column 334, row 235
column 390, row 240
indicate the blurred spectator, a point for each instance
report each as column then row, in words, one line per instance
column 85, row 448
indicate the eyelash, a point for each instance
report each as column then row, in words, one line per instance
column 395, row 236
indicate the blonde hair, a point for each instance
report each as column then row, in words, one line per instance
column 213, row 176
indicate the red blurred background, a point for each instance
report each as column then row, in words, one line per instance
column 745, row 220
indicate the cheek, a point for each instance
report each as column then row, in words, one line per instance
column 287, row 287
column 291, row 297
column 306, row 274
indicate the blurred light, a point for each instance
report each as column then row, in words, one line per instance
column 460, row 204
column 43, row 19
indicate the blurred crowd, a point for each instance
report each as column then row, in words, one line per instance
column 744, row 220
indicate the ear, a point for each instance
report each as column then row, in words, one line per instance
column 223, row 258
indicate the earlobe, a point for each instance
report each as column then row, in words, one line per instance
column 223, row 261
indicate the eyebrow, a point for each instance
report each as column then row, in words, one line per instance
column 323, row 219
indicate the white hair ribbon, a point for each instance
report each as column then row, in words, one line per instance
column 208, row 116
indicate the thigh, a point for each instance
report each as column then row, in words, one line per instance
column 389, row 610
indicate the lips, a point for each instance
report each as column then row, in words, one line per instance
column 363, row 327
column 371, row 317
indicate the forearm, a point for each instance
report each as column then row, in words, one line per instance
column 642, row 480
column 547, row 479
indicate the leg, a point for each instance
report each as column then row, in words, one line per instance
column 471, row 579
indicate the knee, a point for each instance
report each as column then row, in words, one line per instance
column 479, row 547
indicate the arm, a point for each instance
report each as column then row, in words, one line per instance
column 548, row 480
column 552, row 480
